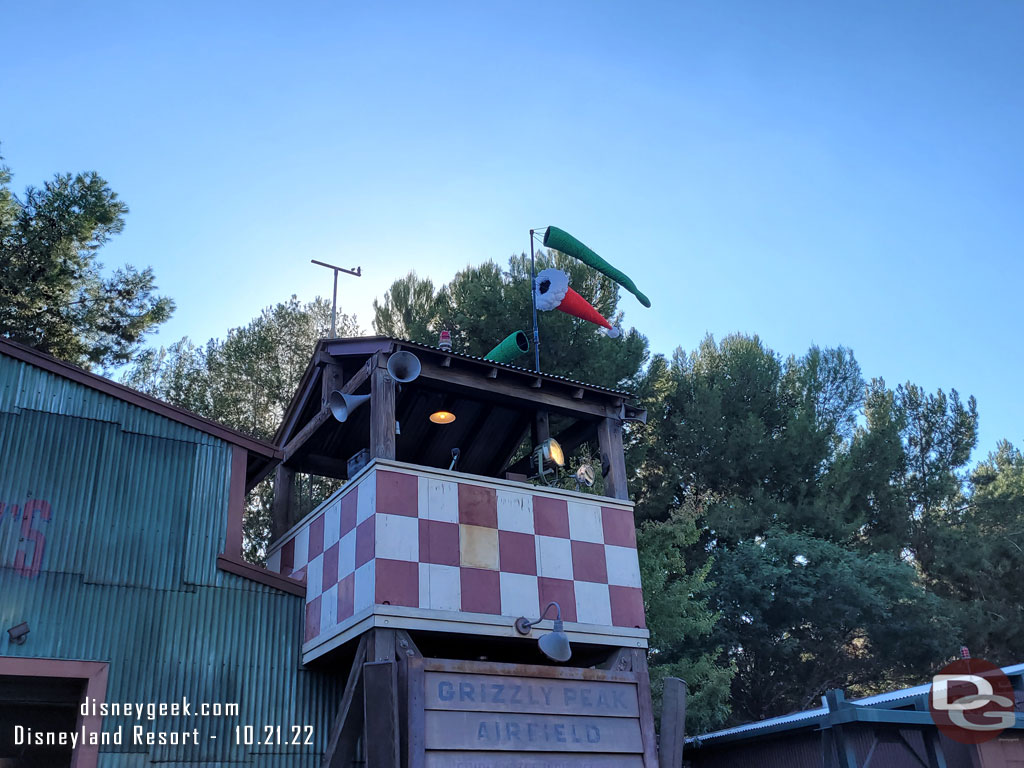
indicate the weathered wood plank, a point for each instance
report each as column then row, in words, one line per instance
column 382, row 414
column 416, row 712
column 499, row 693
column 332, row 378
column 311, row 428
column 529, row 670
column 609, row 437
column 383, row 645
column 673, row 724
column 643, row 679
column 284, row 481
column 437, row 759
column 480, row 731
column 341, row 740
column 380, row 705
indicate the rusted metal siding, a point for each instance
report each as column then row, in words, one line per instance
column 125, row 508
column 137, row 513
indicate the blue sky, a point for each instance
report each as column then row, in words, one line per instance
column 816, row 173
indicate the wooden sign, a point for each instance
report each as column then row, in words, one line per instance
column 475, row 714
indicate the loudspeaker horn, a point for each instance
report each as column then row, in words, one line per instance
column 342, row 405
column 404, row 367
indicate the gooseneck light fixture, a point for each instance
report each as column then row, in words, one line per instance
column 555, row 644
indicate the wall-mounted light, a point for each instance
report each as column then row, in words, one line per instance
column 19, row 633
column 442, row 417
column 555, row 644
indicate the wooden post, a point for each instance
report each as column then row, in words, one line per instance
column 613, row 460
column 382, row 413
column 284, row 482
column 643, row 679
column 673, row 724
column 380, row 707
column 331, row 380
column 540, row 428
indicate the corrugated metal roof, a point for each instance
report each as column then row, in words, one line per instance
column 811, row 716
column 54, row 398
column 520, row 369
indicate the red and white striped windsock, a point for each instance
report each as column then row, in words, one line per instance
column 553, row 292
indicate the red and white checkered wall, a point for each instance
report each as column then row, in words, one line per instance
column 405, row 539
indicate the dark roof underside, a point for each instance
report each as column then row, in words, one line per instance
column 494, row 405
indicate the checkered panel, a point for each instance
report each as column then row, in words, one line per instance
column 401, row 539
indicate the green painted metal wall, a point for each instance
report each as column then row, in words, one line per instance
column 127, row 572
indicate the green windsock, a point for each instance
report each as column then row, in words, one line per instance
column 511, row 347
column 562, row 241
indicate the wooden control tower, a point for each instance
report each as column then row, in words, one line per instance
column 417, row 569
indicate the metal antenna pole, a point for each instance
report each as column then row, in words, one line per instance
column 334, row 307
column 533, row 299
column 357, row 272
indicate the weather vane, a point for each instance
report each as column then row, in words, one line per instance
column 357, row 272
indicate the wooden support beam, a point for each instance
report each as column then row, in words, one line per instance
column 541, row 428
column 382, row 413
column 613, row 459
column 324, row 415
column 510, row 446
column 341, row 741
column 509, row 390
column 311, row 428
column 323, row 466
column 284, row 483
column 380, row 708
column 332, row 378
column 382, row 645
column 359, row 377
column 673, row 724
column 643, row 684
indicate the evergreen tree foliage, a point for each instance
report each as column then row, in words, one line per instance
column 54, row 295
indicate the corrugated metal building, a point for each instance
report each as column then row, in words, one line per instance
column 890, row 730
column 120, row 555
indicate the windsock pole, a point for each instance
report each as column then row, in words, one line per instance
column 533, row 298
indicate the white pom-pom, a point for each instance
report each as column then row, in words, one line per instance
column 612, row 333
column 552, row 285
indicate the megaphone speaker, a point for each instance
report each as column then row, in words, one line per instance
column 342, row 405
column 404, row 367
